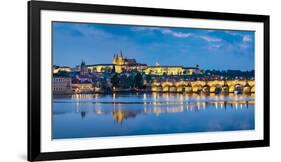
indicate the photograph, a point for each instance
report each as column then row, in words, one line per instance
column 112, row 80
column 109, row 80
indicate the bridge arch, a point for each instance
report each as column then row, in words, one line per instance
column 225, row 89
column 238, row 88
column 173, row 88
column 188, row 88
column 156, row 88
column 216, row 89
column 253, row 89
column 206, row 89
column 180, row 86
column 197, row 88
column 166, row 86
column 247, row 88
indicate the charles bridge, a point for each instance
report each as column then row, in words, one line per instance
column 216, row 86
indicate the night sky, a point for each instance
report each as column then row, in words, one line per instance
column 97, row 43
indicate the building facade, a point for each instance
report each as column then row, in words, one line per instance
column 57, row 69
column 123, row 64
column 62, row 85
column 83, row 88
column 100, row 68
column 171, row 70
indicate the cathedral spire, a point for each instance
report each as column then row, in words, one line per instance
column 83, row 68
column 115, row 57
column 83, row 63
column 121, row 55
column 157, row 63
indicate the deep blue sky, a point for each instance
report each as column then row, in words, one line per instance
column 96, row 44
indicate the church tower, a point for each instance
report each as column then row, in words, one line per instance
column 115, row 61
column 120, row 59
column 83, row 68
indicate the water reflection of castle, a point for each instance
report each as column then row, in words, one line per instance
column 120, row 115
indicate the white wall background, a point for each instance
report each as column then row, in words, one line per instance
column 13, row 79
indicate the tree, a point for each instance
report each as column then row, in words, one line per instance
column 102, row 83
column 138, row 81
column 148, row 78
column 124, row 82
column 130, row 81
column 115, row 80
column 113, row 69
column 107, row 69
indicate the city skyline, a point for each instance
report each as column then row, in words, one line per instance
column 154, row 85
column 97, row 43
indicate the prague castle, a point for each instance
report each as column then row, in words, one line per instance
column 123, row 64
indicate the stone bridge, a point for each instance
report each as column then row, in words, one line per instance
column 216, row 86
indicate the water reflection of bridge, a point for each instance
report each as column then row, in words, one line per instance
column 120, row 113
column 216, row 86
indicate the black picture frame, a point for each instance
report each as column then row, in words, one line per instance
column 34, row 82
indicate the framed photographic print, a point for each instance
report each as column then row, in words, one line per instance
column 115, row 80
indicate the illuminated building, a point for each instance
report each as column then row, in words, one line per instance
column 84, row 87
column 123, row 64
column 100, row 68
column 171, row 70
column 57, row 69
column 62, row 85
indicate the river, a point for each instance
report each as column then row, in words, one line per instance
column 97, row 115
